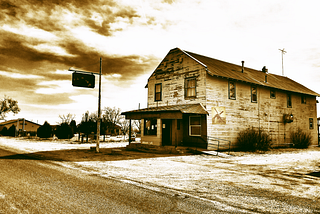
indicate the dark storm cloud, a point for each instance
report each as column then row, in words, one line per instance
column 19, row 49
column 20, row 53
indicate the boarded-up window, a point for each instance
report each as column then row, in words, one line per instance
column 253, row 94
column 273, row 94
column 232, row 90
column 289, row 101
column 190, row 86
column 195, row 126
column 158, row 92
column 303, row 99
column 150, row 127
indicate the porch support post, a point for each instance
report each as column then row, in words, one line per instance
column 129, row 131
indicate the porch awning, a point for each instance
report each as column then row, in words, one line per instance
column 166, row 112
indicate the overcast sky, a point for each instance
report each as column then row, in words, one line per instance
column 40, row 40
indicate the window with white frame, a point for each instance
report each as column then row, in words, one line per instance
column 195, row 126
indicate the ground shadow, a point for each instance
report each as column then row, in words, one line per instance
column 105, row 154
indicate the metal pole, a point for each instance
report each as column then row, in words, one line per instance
column 129, row 131
column 99, row 109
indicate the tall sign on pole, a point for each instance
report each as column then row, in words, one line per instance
column 87, row 80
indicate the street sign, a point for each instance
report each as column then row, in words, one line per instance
column 83, row 80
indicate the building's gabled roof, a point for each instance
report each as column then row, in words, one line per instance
column 14, row 121
column 223, row 69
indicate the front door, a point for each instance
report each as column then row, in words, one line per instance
column 166, row 133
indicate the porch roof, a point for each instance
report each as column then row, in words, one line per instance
column 166, row 112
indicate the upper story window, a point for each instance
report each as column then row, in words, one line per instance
column 273, row 94
column 232, row 90
column 303, row 99
column 289, row 101
column 254, row 94
column 158, row 92
column 190, row 87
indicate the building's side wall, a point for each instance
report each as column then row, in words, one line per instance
column 267, row 113
column 172, row 72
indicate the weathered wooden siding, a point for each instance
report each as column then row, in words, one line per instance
column 171, row 73
column 267, row 113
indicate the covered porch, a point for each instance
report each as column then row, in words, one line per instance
column 174, row 125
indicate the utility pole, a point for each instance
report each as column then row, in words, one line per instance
column 282, row 53
column 87, row 80
column 99, row 109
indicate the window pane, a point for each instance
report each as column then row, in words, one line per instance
column 150, row 127
column 158, row 92
column 310, row 123
column 194, row 120
column 191, row 83
column 254, row 94
column 191, row 92
column 190, row 87
column 195, row 130
column 158, row 88
column 272, row 94
column 232, row 90
column 289, row 104
column 158, row 96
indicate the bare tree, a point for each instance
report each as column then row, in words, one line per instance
column 137, row 124
column 66, row 118
column 125, row 125
column 7, row 105
column 111, row 117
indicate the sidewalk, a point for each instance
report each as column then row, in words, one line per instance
column 206, row 176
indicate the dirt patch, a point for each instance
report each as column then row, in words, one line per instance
column 78, row 155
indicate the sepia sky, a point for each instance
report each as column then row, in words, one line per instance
column 41, row 39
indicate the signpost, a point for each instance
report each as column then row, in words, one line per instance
column 83, row 80
column 87, row 80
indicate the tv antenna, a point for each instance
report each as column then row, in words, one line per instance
column 282, row 53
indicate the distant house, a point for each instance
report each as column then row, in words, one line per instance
column 21, row 124
column 191, row 97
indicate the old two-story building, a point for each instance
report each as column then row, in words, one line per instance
column 191, row 97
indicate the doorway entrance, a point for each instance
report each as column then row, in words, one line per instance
column 166, row 132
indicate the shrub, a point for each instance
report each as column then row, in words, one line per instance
column 64, row 131
column 44, row 131
column 251, row 139
column 4, row 131
column 300, row 139
column 12, row 131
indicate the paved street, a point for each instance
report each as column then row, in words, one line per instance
column 48, row 177
column 30, row 185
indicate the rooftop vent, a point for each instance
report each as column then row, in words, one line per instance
column 242, row 69
column 264, row 69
